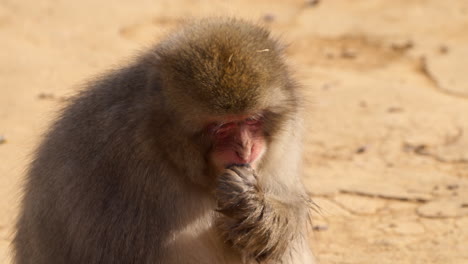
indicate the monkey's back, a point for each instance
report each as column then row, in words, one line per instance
column 79, row 205
column 93, row 195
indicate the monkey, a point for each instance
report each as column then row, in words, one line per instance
column 189, row 154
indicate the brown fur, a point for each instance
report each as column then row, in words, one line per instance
column 123, row 177
column 258, row 225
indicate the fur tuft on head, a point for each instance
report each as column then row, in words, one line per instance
column 221, row 66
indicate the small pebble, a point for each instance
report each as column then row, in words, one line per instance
column 348, row 53
column 312, row 2
column 2, row 139
column 402, row 46
column 452, row 186
column 268, row 18
column 320, row 228
column 394, row 109
column 45, row 96
column 361, row 149
column 443, row 49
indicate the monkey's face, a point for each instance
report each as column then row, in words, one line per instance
column 236, row 140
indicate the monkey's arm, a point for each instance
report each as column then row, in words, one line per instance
column 260, row 225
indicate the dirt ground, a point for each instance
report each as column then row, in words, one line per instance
column 386, row 85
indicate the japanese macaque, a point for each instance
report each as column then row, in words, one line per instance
column 189, row 155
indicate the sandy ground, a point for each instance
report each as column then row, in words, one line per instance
column 386, row 85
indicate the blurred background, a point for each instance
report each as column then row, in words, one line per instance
column 386, row 85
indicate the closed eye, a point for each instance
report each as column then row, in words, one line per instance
column 254, row 120
column 223, row 129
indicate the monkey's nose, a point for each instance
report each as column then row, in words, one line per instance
column 244, row 154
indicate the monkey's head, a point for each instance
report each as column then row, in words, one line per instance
column 228, row 82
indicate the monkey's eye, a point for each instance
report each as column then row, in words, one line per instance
column 222, row 130
column 254, row 120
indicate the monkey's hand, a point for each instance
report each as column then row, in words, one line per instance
column 257, row 225
column 237, row 192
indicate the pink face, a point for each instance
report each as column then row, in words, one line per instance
column 237, row 140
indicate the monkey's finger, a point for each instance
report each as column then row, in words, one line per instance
column 229, row 186
column 235, row 175
column 246, row 173
column 238, row 166
column 231, row 175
